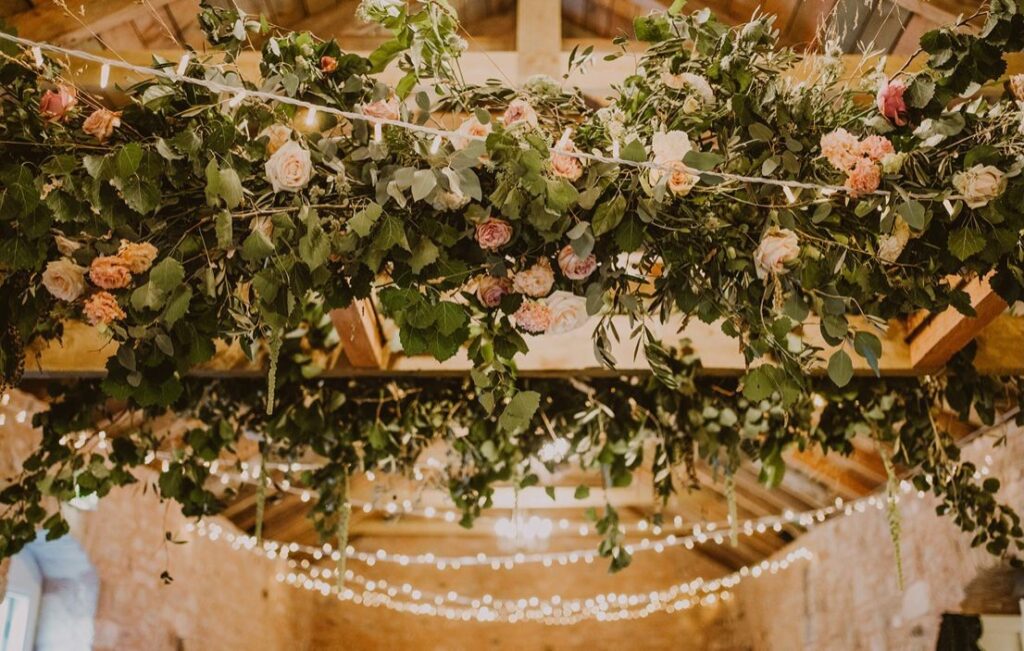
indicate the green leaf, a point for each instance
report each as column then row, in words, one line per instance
column 391, row 233
column 314, row 248
column 914, row 213
column 519, row 411
column 965, row 242
column 141, row 195
column 256, row 246
column 423, row 255
column 167, row 274
column 562, row 195
column 759, row 131
column 225, row 230
column 450, row 317
column 759, row 383
column 423, row 183
column 230, row 188
column 127, row 160
column 177, row 307
column 363, row 221
column 148, row 297
column 609, row 215
column 629, row 236
column 652, row 28
column 869, row 347
column 840, row 368
column 702, row 160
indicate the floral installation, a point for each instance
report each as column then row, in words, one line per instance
column 737, row 197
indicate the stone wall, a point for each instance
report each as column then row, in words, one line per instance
column 848, row 597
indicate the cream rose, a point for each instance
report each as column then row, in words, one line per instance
column 290, row 168
column 668, row 148
column 490, row 290
column 101, row 124
column 891, row 246
column 64, row 279
column 574, row 267
column 472, row 128
column 110, row 272
column 492, row 234
column 102, row 309
column 520, row 111
column 139, row 256
column 778, row 247
column 65, row 245
column 680, row 181
column 533, row 317
column 277, row 136
column 980, row 184
column 536, row 281
column 568, row 312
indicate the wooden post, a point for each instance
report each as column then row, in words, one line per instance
column 539, row 37
column 360, row 335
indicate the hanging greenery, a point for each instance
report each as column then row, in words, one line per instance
column 197, row 213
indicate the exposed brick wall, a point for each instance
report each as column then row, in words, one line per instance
column 848, row 597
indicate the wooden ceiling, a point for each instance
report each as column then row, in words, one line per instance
column 814, row 482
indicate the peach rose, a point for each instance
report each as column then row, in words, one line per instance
column 519, row 111
column 568, row 312
column 101, row 124
column 474, row 129
column 876, row 148
column 64, row 279
column 680, row 181
column 536, row 281
column 980, row 184
column 290, row 168
column 490, row 289
column 563, row 165
column 533, row 317
column 386, row 109
column 492, row 234
column 139, row 256
column 102, row 308
column 863, row 178
column 778, row 248
column 328, row 64
column 110, row 272
column 277, row 136
column 668, row 148
column 841, row 148
column 573, row 267
column 890, row 101
column 55, row 104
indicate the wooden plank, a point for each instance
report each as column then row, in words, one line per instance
column 539, row 37
column 942, row 336
column 942, row 12
column 51, row 23
column 359, row 331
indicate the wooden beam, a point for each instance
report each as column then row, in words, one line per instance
column 50, row 22
column 942, row 336
column 360, row 336
column 817, row 465
column 539, row 37
column 941, row 12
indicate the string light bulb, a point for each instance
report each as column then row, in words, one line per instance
column 104, row 75
column 311, row 116
column 378, row 132
column 183, row 64
column 37, row 54
column 435, row 146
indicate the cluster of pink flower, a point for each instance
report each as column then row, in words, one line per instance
column 55, row 105
column 862, row 160
column 539, row 312
column 65, row 279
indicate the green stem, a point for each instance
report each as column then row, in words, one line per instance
column 344, row 513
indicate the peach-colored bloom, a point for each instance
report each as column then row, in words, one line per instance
column 386, row 109
column 328, row 64
column 890, row 101
column 876, row 148
column 110, row 272
column 289, row 168
column 564, row 165
column 574, row 267
column 138, row 256
column 102, row 308
column 778, row 248
column 101, row 123
column 520, row 111
column 536, row 281
column 64, row 279
column 863, row 178
column 277, row 136
column 65, row 245
column 492, row 234
column 1017, row 87
column 680, row 181
column 472, row 128
column 980, row 184
column 841, row 148
column 533, row 317
column 55, row 104
column 490, row 289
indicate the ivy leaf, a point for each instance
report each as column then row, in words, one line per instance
column 965, row 242
column 148, row 297
column 141, row 195
column 390, row 234
column 314, row 247
column 630, row 234
column 562, row 195
column 608, row 215
column 914, row 213
column 230, row 189
column 167, row 275
column 869, row 347
column 177, row 307
column 450, row 317
column 256, row 246
column 127, row 160
column 423, row 255
column 363, row 221
column 840, row 368
column 519, row 411
column 759, row 383
column 423, row 183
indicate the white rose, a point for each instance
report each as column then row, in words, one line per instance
column 668, row 147
column 980, row 184
column 568, row 312
column 289, row 168
column 891, row 246
column 64, row 279
column 778, row 247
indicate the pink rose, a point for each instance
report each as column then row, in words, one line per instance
column 474, row 129
column 54, row 105
column 102, row 308
column 573, row 267
column 520, row 111
column 490, row 289
column 492, row 234
column 891, row 103
column 536, row 281
column 385, row 109
column 863, row 178
column 533, row 317
column 563, row 165
column 110, row 272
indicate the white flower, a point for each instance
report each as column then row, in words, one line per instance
column 980, row 184
column 542, row 85
column 447, row 201
column 568, row 312
column 689, row 81
column 891, row 246
column 778, row 247
column 614, row 121
column 668, row 148
column 65, row 245
column 374, row 10
column 691, row 105
column 290, row 168
column 64, row 279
